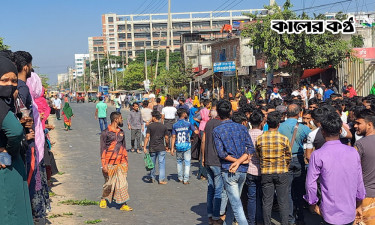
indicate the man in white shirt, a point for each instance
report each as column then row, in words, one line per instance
column 122, row 98
column 57, row 106
column 275, row 94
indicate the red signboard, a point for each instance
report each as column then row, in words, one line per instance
column 364, row 53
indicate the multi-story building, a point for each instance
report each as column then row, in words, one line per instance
column 232, row 61
column 62, row 78
column 150, row 30
column 96, row 48
column 80, row 61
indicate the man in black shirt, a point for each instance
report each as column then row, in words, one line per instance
column 212, row 163
column 156, row 134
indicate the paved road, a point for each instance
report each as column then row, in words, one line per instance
column 172, row 204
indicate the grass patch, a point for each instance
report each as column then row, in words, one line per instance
column 52, row 194
column 54, row 216
column 68, row 214
column 61, row 173
column 93, row 221
column 84, row 202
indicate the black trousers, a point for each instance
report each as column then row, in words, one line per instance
column 280, row 182
column 57, row 112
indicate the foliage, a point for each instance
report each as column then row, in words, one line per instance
column 357, row 41
column 2, row 45
column 45, row 80
column 84, row 202
column 93, row 221
column 301, row 51
column 52, row 216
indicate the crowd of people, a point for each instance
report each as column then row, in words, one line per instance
column 26, row 161
column 307, row 148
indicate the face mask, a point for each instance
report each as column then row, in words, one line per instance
column 7, row 91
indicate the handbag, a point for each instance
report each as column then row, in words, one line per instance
column 148, row 162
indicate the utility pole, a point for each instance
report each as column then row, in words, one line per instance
column 157, row 57
column 100, row 79
column 123, row 69
column 126, row 44
column 90, row 74
column 116, row 72
column 168, row 34
column 145, row 60
column 109, row 70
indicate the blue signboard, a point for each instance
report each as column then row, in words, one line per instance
column 225, row 66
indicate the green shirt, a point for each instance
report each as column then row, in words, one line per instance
column 117, row 103
column 102, row 109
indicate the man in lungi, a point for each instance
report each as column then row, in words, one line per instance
column 114, row 159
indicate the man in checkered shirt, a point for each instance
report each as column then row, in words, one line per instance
column 275, row 156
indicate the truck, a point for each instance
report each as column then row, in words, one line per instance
column 103, row 90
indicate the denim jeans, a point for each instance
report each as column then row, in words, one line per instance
column 280, row 182
column 57, row 112
column 215, row 191
column 103, row 124
column 297, row 177
column 254, row 199
column 161, row 160
column 118, row 109
column 183, row 157
column 233, row 183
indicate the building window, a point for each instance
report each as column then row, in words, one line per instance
column 204, row 47
column 189, row 47
column 223, row 56
column 235, row 52
column 110, row 19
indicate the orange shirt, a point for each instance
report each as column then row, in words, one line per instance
column 113, row 147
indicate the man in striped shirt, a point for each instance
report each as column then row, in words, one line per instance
column 275, row 156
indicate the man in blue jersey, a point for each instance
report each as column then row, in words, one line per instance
column 181, row 131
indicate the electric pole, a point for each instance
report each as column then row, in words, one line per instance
column 145, row 60
column 100, row 79
column 157, row 57
column 168, row 34
column 126, row 44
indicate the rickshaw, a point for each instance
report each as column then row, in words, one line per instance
column 80, row 96
column 92, row 96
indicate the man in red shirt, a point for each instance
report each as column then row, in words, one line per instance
column 351, row 90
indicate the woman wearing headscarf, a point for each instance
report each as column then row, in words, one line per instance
column 68, row 114
column 196, row 102
column 15, row 207
column 36, row 167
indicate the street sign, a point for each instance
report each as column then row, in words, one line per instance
column 229, row 73
column 224, row 66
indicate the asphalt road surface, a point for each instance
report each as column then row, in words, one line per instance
column 174, row 203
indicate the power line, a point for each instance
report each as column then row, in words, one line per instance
column 159, row 6
column 319, row 6
column 135, row 11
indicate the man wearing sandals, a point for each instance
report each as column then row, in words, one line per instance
column 114, row 159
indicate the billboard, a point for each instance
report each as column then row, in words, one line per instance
column 224, row 66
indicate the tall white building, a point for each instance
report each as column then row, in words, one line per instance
column 134, row 32
column 80, row 64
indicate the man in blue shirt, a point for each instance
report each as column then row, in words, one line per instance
column 297, row 165
column 327, row 94
column 233, row 144
column 182, row 130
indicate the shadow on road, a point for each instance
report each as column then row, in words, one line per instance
column 201, row 210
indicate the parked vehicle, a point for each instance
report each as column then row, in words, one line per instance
column 92, row 96
column 80, row 96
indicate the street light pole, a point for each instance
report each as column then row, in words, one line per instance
column 168, row 35
column 145, row 59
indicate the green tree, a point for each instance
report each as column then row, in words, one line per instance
column 45, row 80
column 301, row 51
column 2, row 45
column 357, row 41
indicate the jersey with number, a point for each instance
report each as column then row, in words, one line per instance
column 182, row 129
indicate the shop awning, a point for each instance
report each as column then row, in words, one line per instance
column 201, row 76
column 312, row 72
